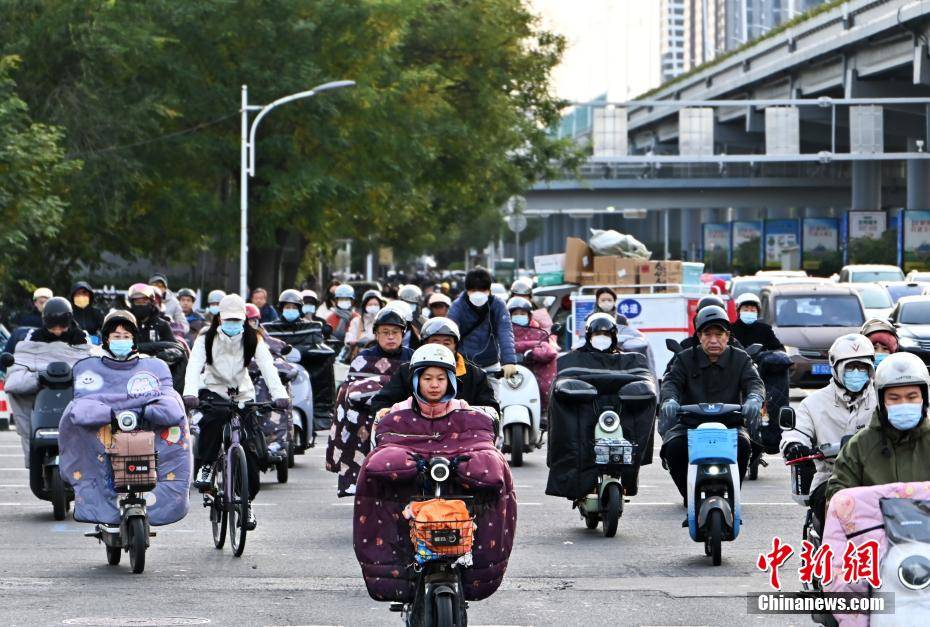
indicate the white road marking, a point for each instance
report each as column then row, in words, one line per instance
column 14, row 470
column 521, row 503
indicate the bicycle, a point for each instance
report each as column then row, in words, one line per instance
column 228, row 497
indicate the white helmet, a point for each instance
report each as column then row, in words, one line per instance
column 902, row 369
column 850, row 348
column 410, row 293
column 343, row 291
column 748, row 298
column 401, row 308
column 521, row 287
column 433, row 355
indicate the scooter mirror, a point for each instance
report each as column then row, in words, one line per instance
column 6, row 360
column 557, row 328
column 786, row 418
column 673, row 346
column 754, row 349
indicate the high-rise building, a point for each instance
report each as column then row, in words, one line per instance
column 690, row 34
column 745, row 20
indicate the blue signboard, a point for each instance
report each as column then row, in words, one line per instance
column 630, row 308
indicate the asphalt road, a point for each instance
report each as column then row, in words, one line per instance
column 299, row 568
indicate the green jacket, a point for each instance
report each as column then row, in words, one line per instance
column 862, row 462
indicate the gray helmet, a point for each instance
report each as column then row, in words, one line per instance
column 875, row 325
column 521, row 287
column 901, row 369
column 215, row 296
column 711, row 315
column 410, row 293
column 158, row 278
column 390, row 316
column 290, row 297
column 344, row 290
column 186, row 291
column 440, row 326
column 518, row 302
column 367, row 296
column 710, row 301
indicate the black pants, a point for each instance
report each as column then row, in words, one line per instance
column 675, row 454
column 211, row 437
column 818, row 503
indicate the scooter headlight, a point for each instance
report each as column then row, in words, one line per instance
column 515, row 381
column 713, row 470
column 439, row 469
column 127, row 420
column 609, row 421
column 914, row 572
column 47, row 434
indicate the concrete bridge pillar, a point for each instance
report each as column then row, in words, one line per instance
column 867, row 185
column 690, row 220
column 918, row 181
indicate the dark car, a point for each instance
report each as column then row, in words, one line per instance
column 912, row 317
column 807, row 319
column 900, row 289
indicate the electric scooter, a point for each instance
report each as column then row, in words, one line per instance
column 520, row 414
column 611, row 452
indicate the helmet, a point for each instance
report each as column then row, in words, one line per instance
column 57, row 313
column 598, row 323
column 710, row 301
column 518, row 302
column 252, row 312
column 116, row 318
column 343, row 290
column 42, row 292
column 901, row 369
column 373, row 294
column 711, row 315
column 439, row 326
column 410, row 293
column 186, row 291
column 850, row 348
column 433, row 355
column 290, row 297
column 158, row 278
column 140, row 290
column 310, row 297
column 521, row 287
column 439, row 298
column 215, row 296
column 390, row 315
column 874, row 325
column 748, row 298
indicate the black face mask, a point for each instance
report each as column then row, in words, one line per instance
column 141, row 312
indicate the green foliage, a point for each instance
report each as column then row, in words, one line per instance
column 882, row 250
column 447, row 120
column 746, row 257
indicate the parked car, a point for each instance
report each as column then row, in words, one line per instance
column 752, row 284
column 918, row 276
column 870, row 273
column 898, row 289
column 807, row 318
column 781, row 273
column 875, row 298
column 912, row 317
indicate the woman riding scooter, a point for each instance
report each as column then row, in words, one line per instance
column 361, row 330
column 429, row 424
column 884, row 338
column 538, row 352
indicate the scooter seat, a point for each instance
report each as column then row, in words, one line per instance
column 711, row 425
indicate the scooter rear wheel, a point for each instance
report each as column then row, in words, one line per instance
column 59, row 495
column 516, row 445
column 114, row 553
column 612, row 505
column 715, row 535
column 282, row 468
column 443, row 608
column 137, row 547
column 591, row 521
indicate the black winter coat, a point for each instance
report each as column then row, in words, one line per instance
column 89, row 318
column 473, row 388
column 756, row 333
column 155, row 329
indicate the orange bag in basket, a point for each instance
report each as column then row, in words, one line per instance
column 443, row 525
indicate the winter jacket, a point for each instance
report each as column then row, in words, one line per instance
column 155, row 329
column 827, row 415
column 89, row 318
column 195, row 322
column 632, row 340
column 228, row 369
column 543, row 319
column 694, row 379
column 103, row 386
column 881, row 454
column 31, row 318
column 340, row 321
column 403, row 354
column 387, row 484
column 361, row 330
column 487, row 333
column 539, row 356
column 174, row 313
column 473, row 387
column 756, row 333
column 269, row 313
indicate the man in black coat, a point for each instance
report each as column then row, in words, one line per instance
column 88, row 317
column 748, row 329
column 473, row 385
column 712, row 372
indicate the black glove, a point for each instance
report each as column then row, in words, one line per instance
column 796, row 450
column 191, row 402
column 282, row 403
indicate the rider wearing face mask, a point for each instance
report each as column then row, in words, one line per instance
column 895, row 446
column 311, row 303
column 361, row 330
column 535, row 346
column 213, row 304
column 88, row 317
column 152, row 327
column 748, row 329
column 411, row 296
column 884, row 338
column 606, row 300
column 218, row 368
column 524, row 287
column 342, row 314
column 841, row 408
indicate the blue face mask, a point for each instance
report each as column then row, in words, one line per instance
column 290, row 314
column 214, row 309
column 748, row 317
column 905, row 416
column 879, row 358
column 232, row 327
column 308, row 310
column 855, row 380
column 120, row 348
column 520, row 320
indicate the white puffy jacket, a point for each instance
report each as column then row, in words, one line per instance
column 228, row 370
column 825, row 416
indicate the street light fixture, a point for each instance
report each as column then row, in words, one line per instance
column 247, row 163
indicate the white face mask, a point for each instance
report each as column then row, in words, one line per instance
column 606, row 305
column 478, row 299
column 425, row 312
column 344, row 304
column 601, row 342
column 372, row 309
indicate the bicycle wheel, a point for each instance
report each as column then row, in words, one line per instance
column 218, row 512
column 239, row 507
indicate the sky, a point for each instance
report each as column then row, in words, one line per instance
column 613, row 46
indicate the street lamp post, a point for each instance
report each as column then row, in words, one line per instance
column 247, row 164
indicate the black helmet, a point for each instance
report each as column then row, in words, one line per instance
column 710, row 301
column 57, row 313
column 186, row 291
column 599, row 323
column 118, row 317
column 440, row 326
column 711, row 315
column 290, row 297
column 390, row 316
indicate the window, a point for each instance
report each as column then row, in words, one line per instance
column 818, row 311
column 875, row 298
column 915, row 313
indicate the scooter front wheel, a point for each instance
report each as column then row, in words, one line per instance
column 137, row 541
column 59, row 495
column 516, row 445
column 715, row 535
column 612, row 504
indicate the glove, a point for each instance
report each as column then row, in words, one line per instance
column 796, row 450
column 752, row 409
column 191, row 402
column 668, row 413
column 509, row 370
column 282, row 403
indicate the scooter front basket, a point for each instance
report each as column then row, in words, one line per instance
column 133, row 460
column 718, row 445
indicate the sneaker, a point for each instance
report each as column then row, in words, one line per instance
column 204, row 477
